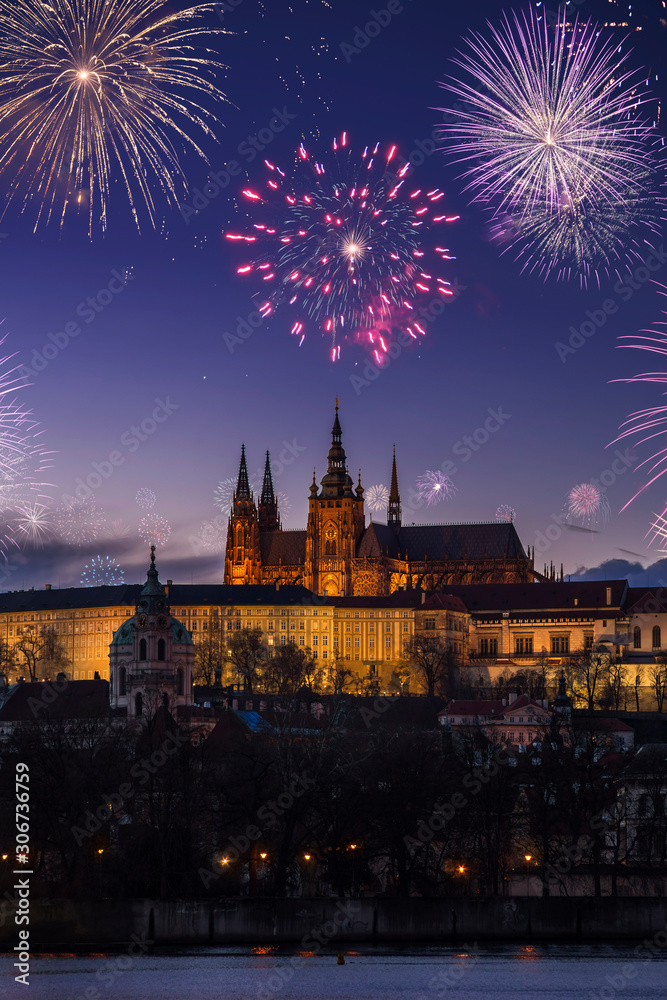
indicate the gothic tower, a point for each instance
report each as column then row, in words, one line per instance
column 336, row 521
column 394, row 506
column 242, row 558
column 269, row 519
column 151, row 656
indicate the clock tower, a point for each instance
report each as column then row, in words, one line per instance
column 336, row 522
column 151, row 656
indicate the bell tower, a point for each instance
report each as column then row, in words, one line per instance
column 151, row 656
column 242, row 557
column 336, row 521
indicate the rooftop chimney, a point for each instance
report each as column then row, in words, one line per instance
column 47, row 586
column 167, row 586
column 423, row 596
column 608, row 596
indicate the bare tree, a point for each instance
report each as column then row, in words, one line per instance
column 43, row 653
column 657, row 673
column 247, row 652
column 588, row 670
column 7, row 658
column 289, row 669
column 427, row 654
column 208, row 651
column 639, row 668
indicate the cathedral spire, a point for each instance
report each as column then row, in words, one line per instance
column 268, row 504
column 243, row 486
column 268, row 495
column 394, row 506
column 337, row 482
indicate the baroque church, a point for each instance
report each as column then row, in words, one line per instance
column 339, row 555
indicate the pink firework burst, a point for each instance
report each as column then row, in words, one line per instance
column 154, row 529
column 435, row 487
column 588, row 504
column 650, row 424
column 346, row 248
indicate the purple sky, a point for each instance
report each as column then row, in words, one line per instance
column 158, row 348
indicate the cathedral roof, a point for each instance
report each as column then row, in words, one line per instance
column 285, row 548
column 442, row 541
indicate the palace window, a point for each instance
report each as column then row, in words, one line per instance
column 637, row 637
column 429, row 623
column 588, row 641
column 559, row 644
column 656, row 637
column 488, row 646
column 523, row 644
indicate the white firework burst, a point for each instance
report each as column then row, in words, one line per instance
column 102, row 571
column 377, row 497
column 434, row 487
column 505, row 513
column 284, row 504
column 213, row 535
column 145, row 498
column 118, row 528
column 34, row 524
column 79, row 522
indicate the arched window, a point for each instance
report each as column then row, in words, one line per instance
column 179, row 681
column 657, row 641
column 637, row 637
column 330, row 548
column 165, row 699
column 138, row 704
column 142, row 649
column 642, row 806
column 122, row 681
column 160, row 649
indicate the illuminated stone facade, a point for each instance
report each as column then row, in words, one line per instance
column 339, row 556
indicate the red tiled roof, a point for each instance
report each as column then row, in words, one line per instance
column 521, row 703
column 445, row 602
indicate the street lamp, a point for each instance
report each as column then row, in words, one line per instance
column 353, row 848
column 528, row 858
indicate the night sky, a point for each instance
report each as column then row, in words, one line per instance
column 161, row 340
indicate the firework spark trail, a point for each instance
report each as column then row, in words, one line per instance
column 588, row 504
column 93, row 87
column 548, row 141
column 649, row 424
column 505, row 513
column 435, row 487
column 102, row 571
column 377, row 497
column 347, row 249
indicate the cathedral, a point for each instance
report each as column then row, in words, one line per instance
column 339, row 555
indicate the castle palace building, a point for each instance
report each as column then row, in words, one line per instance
column 339, row 555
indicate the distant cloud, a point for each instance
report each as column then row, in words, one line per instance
column 622, row 569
